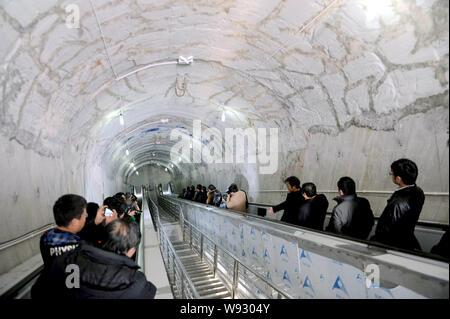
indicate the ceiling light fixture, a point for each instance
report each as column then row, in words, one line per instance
column 121, row 119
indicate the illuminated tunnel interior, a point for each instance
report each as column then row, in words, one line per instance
column 350, row 87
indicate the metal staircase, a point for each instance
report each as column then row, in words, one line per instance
column 200, row 274
column 185, row 268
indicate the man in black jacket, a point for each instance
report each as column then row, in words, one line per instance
column 103, row 273
column 313, row 211
column 398, row 220
column 352, row 216
column 291, row 205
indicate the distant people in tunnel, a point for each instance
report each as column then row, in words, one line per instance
column 352, row 216
column 214, row 196
column 294, row 200
column 133, row 208
column 312, row 212
column 398, row 220
column 182, row 194
column 203, row 195
column 70, row 215
column 197, row 194
column 105, row 272
column 120, row 195
column 236, row 199
column 191, row 193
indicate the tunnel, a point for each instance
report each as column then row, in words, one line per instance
column 105, row 96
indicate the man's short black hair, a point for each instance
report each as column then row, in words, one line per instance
column 406, row 169
column 115, row 203
column 293, row 181
column 309, row 189
column 211, row 187
column 347, row 185
column 199, row 186
column 68, row 207
column 121, row 236
column 119, row 195
column 233, row 188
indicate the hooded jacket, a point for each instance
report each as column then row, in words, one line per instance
column 352, row 216
column 103, row 275
column 398, row 220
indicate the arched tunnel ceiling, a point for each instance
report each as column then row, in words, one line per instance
column 353, row 65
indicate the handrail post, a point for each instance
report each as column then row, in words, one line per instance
column 201, row 247
column 173, row 265
column 190, row 235
column 215, row 260
column 182, row 287
column 235, row 278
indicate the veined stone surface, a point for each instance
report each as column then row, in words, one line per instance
column 366, row 83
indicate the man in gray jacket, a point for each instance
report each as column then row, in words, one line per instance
column 352, row 216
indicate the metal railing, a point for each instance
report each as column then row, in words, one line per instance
column 27, row 236
column 429, row 274
column 140, row 260
column 196, row 239
column 175, row 269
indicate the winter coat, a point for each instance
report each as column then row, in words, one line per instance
column 56, row 242
column 102, row 275
column 237, row 201
column 396, row 224
column 290, row 206
column 352, row 216
column 312, row 212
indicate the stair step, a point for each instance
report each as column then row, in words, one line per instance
column 208, row 285
column 201, row 277
column 211, row 290
column 200, row 282
column 198, row 270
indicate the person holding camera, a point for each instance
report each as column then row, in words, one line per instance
column 236, row 199
column 113, row 208
column 105, row 272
